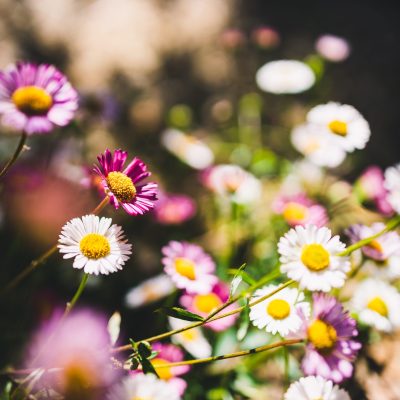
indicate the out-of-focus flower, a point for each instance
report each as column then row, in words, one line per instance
column 204, row 304
column 333, row 48
column 149, row 291
column 188, row 149
column 342, row 123
column 172, row 209
column 192, row 340
column 265, row 37
column 280, row 312
column 97, row 246
column 143, row 387
column 316, row 147
column 315, row 387
column 392, row 184
column 189, row 267
column 300, row 210
column 169, row 353
column 285, row 76
column 330, row 350
column 309, row 255
column 34, row 98
column 232, row 181
column 78, row 347
column 122, row 186
column 370, row 187
column 377, row 304
column 232, row 38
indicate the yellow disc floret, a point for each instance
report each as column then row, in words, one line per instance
column 164, row 373
column 185, row 267
column 278, row 309
column 32, row 100
column 379, row 306
column 121, row 186
column 294, row 212
column 205, row 303
column 338, row 127
column 94, row 246
column 322, row 335
column 315, row 257
column 375, row 245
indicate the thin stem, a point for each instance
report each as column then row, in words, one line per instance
column 233, row 355
column 16, row 154
column 199, row 323
column 43, row 258
column 77, row 294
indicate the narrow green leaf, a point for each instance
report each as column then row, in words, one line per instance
column 148, row 367
column 236, row 281
column 144, row 349
column 180, row 313
column 244, row 322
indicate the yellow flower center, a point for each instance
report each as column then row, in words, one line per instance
column 185, row 267
column 374, row 244
column 322, row 335
column 315, row 257
column 206, row 303
column 278, row 309
column 32, row 100
column 94, row 246
column 294, row 212
column 77, row 378
column 121, row 186
column 163, row 373
column 379, row 306
column 338, row 127
column 189, row 335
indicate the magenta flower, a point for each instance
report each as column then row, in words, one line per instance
column 79, row 348
column 173, row 209
column 34, row 98
column 300, row 210
column 330, row 351
column 204, row 304
column 123, row 186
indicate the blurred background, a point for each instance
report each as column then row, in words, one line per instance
column 145, row 66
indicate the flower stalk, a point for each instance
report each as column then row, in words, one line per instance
column 16, row 154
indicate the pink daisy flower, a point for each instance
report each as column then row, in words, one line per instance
column 34, row 98
column 298, row 209
column 169, row 353
column 173, row 209
column 189, row 267
column 204, row 304
column 123, row 186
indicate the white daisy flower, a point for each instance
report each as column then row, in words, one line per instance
column 280, row 312
column 192, row 340
column 342, row 123
column 285, row 76
column 377, row 304
column 97, row 246
column 316, row 147
column 143, row 387
column 309, row 255
column 188, row 149
column 315, row 388
column 149, row 291
column 392, row 185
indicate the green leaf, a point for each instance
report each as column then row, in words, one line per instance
column 180, row 313
column 244, row 322
column 237, row 280
column 148, row 367
column 144, row 349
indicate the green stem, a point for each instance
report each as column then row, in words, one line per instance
column 16, row 154
column 71, row 304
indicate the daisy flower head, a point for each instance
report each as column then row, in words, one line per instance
column 285, row 77
column 377, row 304
column 189, row 267
column 35, row 98
column 330, row 350
column 204, row 304
column 298, row 209
column 174, row 209
column 317, row 148
column 310, row 256
column 392, row 185
column 192, row 340
column 96, row 246
column 342, row 124
column 123, row 186
column 333, row 48
column 315, row 388
column 141, row 386
column 279, row 313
